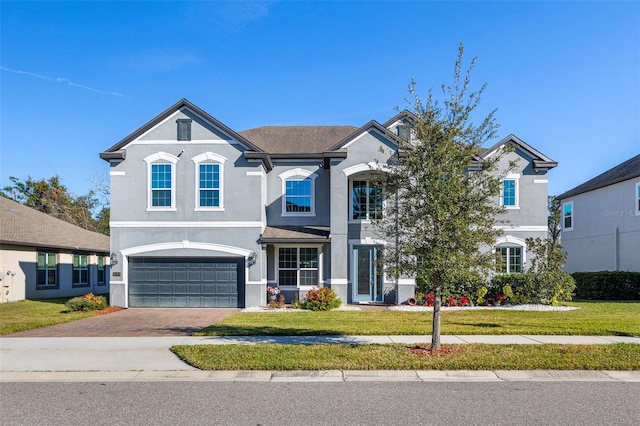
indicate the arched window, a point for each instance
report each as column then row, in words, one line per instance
column 298, row 192
column 512, row 255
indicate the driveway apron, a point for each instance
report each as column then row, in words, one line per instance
column 147, row 322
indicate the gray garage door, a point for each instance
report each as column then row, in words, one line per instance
column 156, row 282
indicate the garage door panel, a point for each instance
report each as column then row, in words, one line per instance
column 186, row 282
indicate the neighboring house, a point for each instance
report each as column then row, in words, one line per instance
column 601, row 221
column 202, row 215
column 43, row 257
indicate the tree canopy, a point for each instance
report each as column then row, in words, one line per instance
column 50, row 196
column 441, row 198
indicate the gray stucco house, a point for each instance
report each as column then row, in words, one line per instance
column 42, row 257
column 601, row 221
column 204, row 216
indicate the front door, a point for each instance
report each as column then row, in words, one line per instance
column 367, row 279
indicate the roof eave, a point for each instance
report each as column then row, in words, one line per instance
column 261, row 156
column 113, row 156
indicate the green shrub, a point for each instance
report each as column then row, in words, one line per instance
column 607, row 285
column 547, row 287
column 88, row 302
column 321, row 299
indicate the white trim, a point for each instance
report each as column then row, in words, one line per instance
column 365, row 167
column 367, row 241
column 337, row 281
column 260, row 173
column 161, row 155
column 573, row 216
column 288, row 175
column 361, row 135
column 191, row 142
column 541, row 181
column 183, row 224
column 261, row 282
column 117, row 173
column 116, row 282
column 523, row 228
column 209, row 158
column 406, row 281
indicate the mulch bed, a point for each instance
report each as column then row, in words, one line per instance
column 107, row 310
column 427, row 351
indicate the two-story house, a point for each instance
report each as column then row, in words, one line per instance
column 204, row 216
column 601, row 221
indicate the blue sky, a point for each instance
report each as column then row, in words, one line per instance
column 77, row 77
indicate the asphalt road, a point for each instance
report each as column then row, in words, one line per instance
column 342, row 403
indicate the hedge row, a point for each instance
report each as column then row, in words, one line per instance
column 607, row 285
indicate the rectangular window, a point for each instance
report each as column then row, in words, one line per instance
column 366, row 199
column 510, row 260
column 567, row 216
column 404, row 132
column 47, row 270
column 101, row 270
column 509, row 193
column 637, row 198
column 184, row 130
column 298, row 196
column 209, row 185
column 161, row 185
column 80, row 270
column 298, row 266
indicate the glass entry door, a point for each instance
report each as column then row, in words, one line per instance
column 367, row 280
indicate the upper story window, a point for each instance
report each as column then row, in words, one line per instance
column 184, row 129
column 366, row 200
column 567, row 216
column 80, row 275
column 510, row 259
column 47, row 275
column 404, row 132
column 161, row 181
column 510, row 197
column 298, row 192
column 298, row 266
column 209, row 176
column 637, row 199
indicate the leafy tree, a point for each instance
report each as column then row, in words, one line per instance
column 440, row 217
column 53, row 198
column 548, row 255
column 553, row 218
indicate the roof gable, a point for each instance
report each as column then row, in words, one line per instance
column 540, row 161
column 626, row 170
column 22, row 225
column 181, row 104
column 371, row 125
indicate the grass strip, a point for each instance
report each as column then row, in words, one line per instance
column 29, row 314
column 592, row 319
column 622, row 356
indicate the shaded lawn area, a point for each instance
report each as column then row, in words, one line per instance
column 396, row 357
column 592, row 319
column 29, row 314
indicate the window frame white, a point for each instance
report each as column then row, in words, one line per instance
column 298, row 269
column 516, row 179
column 368, row 178
column 209, row 158
column 298, row 174
column 161, row 158
column 570, row 228
column 509, row 247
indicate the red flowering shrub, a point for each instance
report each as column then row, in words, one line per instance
column 321, row 299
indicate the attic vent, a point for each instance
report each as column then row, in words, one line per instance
column 184, row 129
column 404, row 131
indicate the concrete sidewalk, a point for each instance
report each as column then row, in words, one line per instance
column 149, row 358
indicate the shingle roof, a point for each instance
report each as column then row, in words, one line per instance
column 22, row 225
column 624, row 171
column 297, row 139
column 308, row 234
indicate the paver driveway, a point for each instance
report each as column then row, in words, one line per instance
column 135, row 323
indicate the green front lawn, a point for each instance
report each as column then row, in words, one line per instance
column 593, row 318
column 29, row 314
column 395, row 357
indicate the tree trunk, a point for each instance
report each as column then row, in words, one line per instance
column 435, row 332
